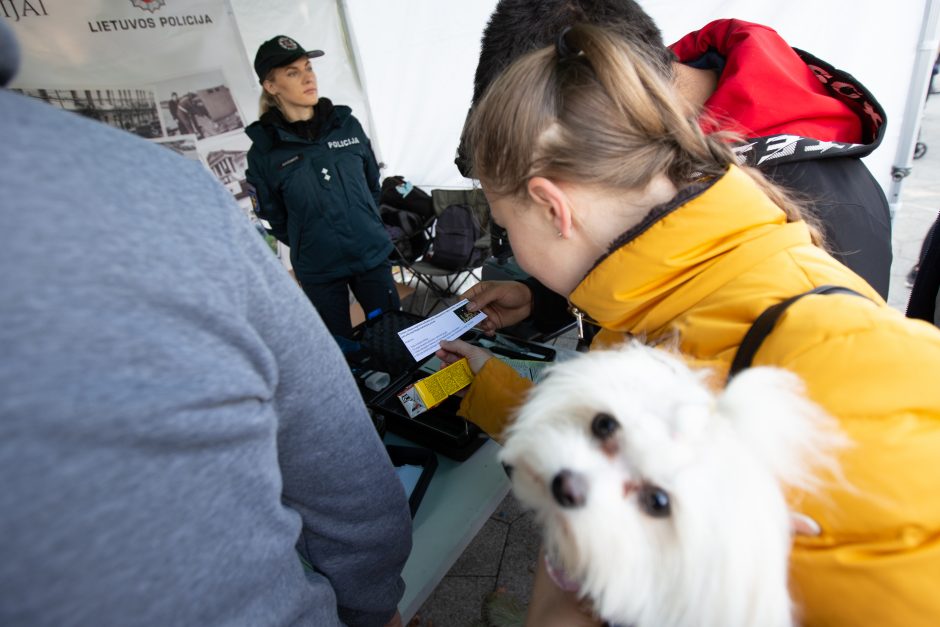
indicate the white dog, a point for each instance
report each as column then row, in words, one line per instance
column 662, row 500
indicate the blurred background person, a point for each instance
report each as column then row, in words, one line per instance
column 181, row 442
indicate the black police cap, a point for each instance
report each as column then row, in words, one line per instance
column 279, row 51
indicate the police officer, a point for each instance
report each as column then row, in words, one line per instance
column 315, row 180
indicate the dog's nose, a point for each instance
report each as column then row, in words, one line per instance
column 569, row 489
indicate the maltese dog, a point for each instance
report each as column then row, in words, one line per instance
column 660, row 501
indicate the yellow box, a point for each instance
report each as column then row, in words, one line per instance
column 432, row 390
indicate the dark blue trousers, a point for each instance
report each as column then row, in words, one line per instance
column 374, row 289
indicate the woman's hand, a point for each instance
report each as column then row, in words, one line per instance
column 504, row 302
column 458, row 349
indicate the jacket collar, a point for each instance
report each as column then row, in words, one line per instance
column 272, row 128
column 682, row 252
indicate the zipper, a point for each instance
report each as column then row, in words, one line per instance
column 580, row 317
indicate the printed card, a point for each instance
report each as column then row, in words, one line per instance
column 424, row 338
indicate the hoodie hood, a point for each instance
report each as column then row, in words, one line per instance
column 9, row 54
column 789, row 105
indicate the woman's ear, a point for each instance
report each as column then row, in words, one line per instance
column 268, row 86
column 553, row 202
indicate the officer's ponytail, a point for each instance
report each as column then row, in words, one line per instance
column 266, row 103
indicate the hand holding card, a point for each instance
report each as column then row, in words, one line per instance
column 424, row 338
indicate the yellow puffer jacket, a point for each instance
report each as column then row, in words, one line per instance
column 703, row 269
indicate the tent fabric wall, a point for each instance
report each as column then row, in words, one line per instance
column 418, row 58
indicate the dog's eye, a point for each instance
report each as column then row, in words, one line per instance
column 603, row 426
column 654, row 501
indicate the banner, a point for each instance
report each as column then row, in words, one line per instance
column 171, row 71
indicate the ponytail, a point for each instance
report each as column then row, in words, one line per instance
column 596, row 110
column 266, row 102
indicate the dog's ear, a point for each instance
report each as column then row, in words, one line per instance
column 792, row 435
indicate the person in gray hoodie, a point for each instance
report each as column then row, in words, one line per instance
column 173, row 450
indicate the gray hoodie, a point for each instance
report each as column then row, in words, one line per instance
column 175, row 422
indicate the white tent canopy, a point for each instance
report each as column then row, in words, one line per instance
column 406, row 68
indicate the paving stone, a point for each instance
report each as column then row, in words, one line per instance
column 482, row 557
column 509, row 510
column 519, row 559
column 456, row 602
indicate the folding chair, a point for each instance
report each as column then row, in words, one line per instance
column 410, row 235
column 440, row 283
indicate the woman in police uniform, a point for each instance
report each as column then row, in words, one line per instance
column 315, row 180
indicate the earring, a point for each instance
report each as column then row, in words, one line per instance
column 559, row 234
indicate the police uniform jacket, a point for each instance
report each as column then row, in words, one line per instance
column 702, row 268
column 319, row 194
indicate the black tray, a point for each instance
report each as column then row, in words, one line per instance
column 439, row 428
column 376, row 347
column 380, row 349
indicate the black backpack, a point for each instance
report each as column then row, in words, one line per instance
column 406, row 230
column 402, row 194
column 456, row 233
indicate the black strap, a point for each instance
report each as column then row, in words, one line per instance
column 765, row 323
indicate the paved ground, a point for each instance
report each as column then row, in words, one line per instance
column 504, row 552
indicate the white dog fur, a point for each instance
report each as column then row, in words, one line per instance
column 719, row 558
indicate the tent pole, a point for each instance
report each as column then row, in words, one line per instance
column 353, row 44
column 925, row 56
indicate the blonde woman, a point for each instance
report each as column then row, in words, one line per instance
column 315, row 180
column 614, row 198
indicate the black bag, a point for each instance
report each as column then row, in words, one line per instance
column 402, row 194
column 456, row 233
column 406, row 230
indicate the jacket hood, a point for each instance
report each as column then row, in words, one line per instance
column 683, row 251
column 790, row 105
column 9, row 54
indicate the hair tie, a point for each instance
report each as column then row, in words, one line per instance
column 564, row 49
